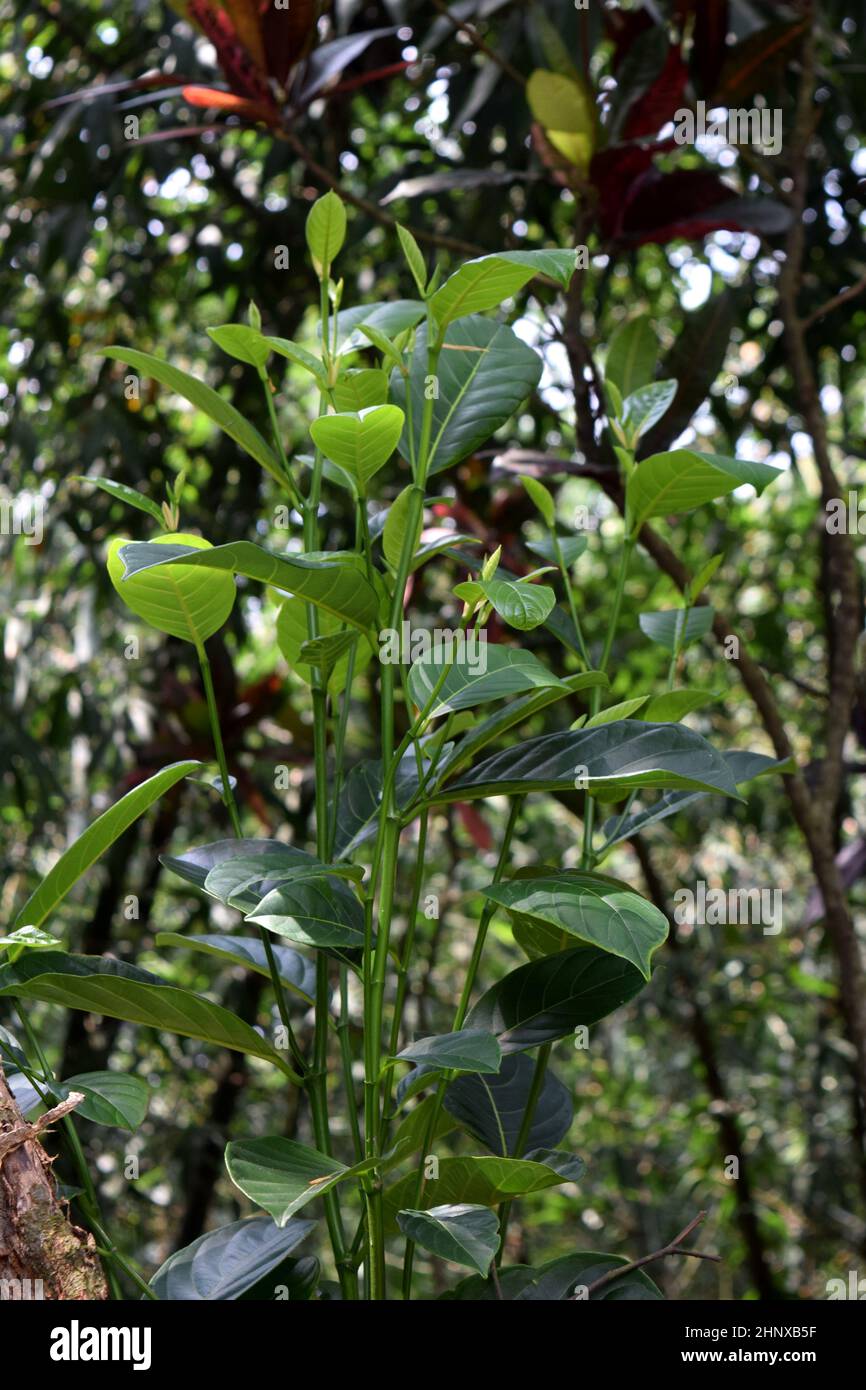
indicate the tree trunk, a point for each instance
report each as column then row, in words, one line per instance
column 42, row 1254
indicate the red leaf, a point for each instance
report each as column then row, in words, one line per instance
column 213, row 98
column 708, row 53
column 242, row 73
column 286, row 34
column 657, row 105
column 690, row 203
column 475, row 825
column 614, row 171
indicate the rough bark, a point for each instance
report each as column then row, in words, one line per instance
column 42, row 1254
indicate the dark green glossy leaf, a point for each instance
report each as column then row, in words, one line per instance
column 492, row 1108
column 99, row 985
column 468, row 1050
column 613, row 758
column 319, row 912
column 297, row 972
column 464, row 1234
column 503, row 671
column 548, row 998
column 590, row 907
column 485, row 373
column 223, row 1264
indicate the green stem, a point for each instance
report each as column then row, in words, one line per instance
column 459, row 1019
column 317, row 1080
column 231, row 806
column 403, row 969
column 385, row 866
column 569, row 593
column 587, row 859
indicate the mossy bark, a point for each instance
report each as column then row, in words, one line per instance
column 42, row 1254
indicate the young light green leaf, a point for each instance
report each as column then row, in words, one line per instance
column 632, row 356
column 114, row 1098
column 183, row 602
column 326, row 232
column 484, row 283
column 395, row 528
column 682, row 479
column 301, row 358
column 645, row 407
column 359, row 442
column 564, row 107
column 293, row 634
column 462, row 1233
column 124, row 494
column 280, row 1175
column 360, row 388
column 325, row 652
column 380, row 340
column 28, row 939
column 624, row 710
column 245, row 344
column 334, row 582
column 672, row 705
column 522, row 606
column 414, row 258
column 205, row 399
column 702, row 578
column 95, row 840
column 542, row 499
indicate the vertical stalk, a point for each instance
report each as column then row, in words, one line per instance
column 586, row 861
column 459, row 1019
column 385, row 864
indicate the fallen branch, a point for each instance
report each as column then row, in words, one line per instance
column 675, row 1247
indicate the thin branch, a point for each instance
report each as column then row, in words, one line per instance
column 841, row 298
column 675, row 1247
column 472, row 34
